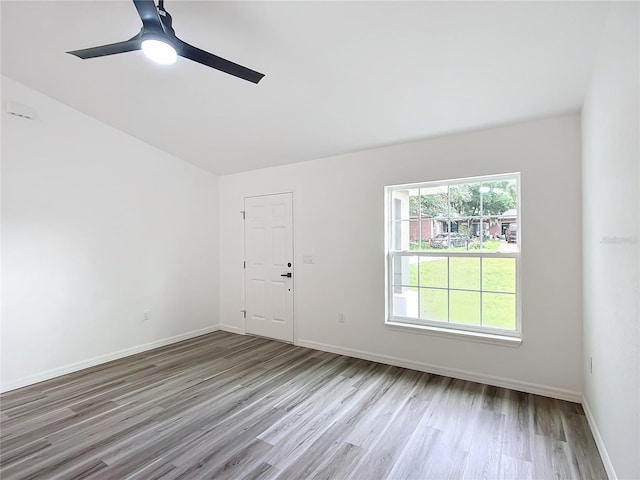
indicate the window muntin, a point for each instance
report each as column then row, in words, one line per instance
column 453, row 254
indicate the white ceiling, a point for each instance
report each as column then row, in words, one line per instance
column 340, row 76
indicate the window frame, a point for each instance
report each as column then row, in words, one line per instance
column 483, row 333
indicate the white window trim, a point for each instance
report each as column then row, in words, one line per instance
column 442, row 331
column 470, row 332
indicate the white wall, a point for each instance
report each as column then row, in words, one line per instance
column 610, row 233
column 97, row 227
column 338, row 218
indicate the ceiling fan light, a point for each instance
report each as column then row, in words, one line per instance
column 159, row 51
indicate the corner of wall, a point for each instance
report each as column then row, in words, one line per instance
column 602, row 448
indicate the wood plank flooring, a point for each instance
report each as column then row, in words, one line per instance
column 226, row 406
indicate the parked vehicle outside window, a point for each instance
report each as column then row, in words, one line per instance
column 444, row 240
column 512, row 233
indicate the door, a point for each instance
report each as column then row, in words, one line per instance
column 269, row 266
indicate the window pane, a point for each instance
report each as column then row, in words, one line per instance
column 415, row 235
column 464, row 273
column 464, row 215
column 433, row 212
column 433, row 202
column 465, row 307
column 511, row 236
column 499, row 274
column 490, row 244
column 405, row 302
column 498, row 197
column 405, row 270
column 434, row 304
column 400, row 236
column 499, row 310
column 404, row 204
column 450, row 241
column 405, row 235
column 421, row 234
column 505, row 207
column 433, row 272
column 482, row 232
column 465, row 200
column 462, row 225
column 494, row 230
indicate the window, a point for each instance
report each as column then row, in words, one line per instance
column 453, row 255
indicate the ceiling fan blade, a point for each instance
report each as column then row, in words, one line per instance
column 149, row 15
column 111, row 49
column 205, row 58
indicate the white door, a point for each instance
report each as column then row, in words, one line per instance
column 269, row 266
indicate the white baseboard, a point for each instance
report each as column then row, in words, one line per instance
column 92, row 362
column 232, row 329
column 608, row 466
column 527, row 387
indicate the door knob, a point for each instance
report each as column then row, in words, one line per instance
column 288, row 275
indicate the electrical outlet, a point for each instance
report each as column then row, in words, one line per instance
column 340, row 317
column 146, row 316
column 307, row 259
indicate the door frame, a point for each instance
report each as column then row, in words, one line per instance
column 243, row 283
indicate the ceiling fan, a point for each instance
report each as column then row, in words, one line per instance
column 158, row 41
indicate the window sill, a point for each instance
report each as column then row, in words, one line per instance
column 491, row 338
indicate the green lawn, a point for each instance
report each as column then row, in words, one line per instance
column 495, row 289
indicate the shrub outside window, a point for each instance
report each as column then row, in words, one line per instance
column 453, row 254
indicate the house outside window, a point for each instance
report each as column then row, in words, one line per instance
column 453, row 255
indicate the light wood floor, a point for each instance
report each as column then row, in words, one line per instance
column 230, row 406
